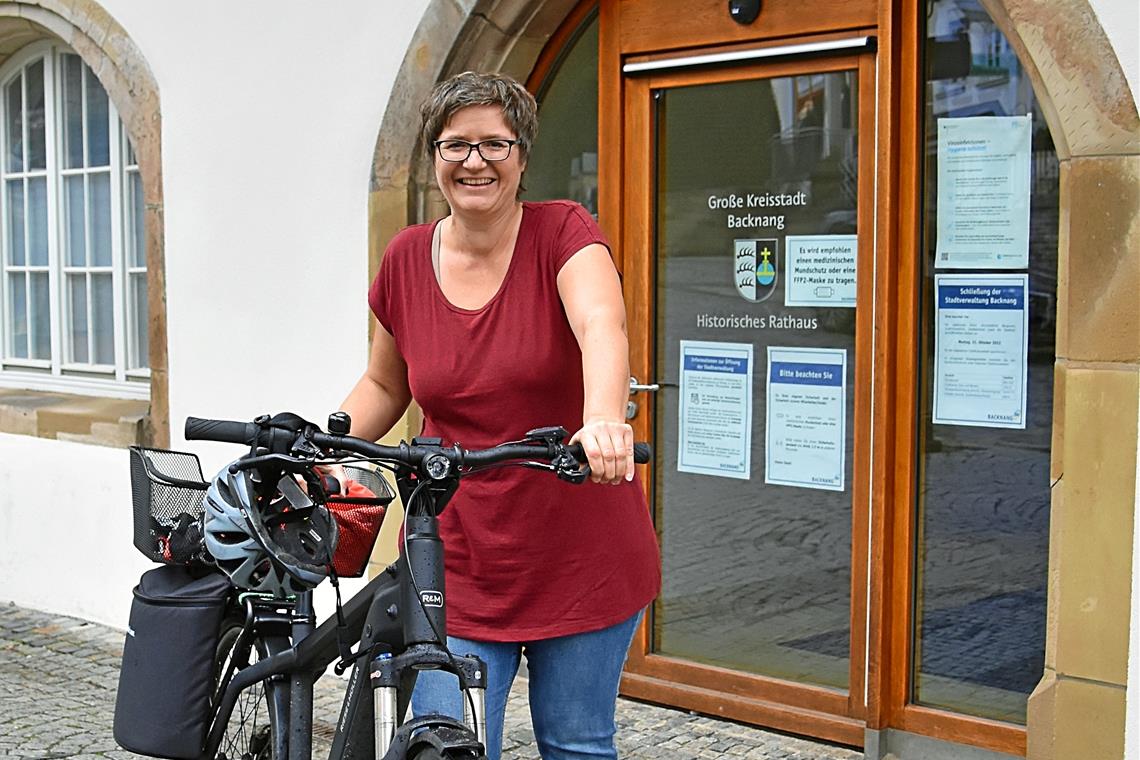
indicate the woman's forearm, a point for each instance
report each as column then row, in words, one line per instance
column 373, row 408
column 605, row 369
column 381, row 395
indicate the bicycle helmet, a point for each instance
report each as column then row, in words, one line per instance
column 281, row 545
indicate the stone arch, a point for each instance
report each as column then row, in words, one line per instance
column 103, row 44
column 1093, row 118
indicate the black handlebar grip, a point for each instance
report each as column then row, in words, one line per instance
column 642, row 452
column 225, row 431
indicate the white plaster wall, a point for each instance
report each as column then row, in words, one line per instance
column 270, row 113
column 65, row 528
column 1121, row 21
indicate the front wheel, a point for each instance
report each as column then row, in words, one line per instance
column 250, row 730
column 446, row 743
column 431, row 753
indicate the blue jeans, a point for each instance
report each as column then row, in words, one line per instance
column 573, row 689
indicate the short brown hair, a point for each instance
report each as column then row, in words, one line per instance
column 478, row 89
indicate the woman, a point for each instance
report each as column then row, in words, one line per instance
column 502, row 317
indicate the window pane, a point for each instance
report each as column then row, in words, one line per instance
column 18, row 315
column 37, row 142
column 16, row 222
column 758, row 578
column 37, row 221
column 74, row 215
column 141, row 321
column 72, row 112
column 103, row 319
column 99, row 207
column 984, row 492
column 77, row 303
column 14, row 125
column 564, row 162
column 41, row 316
column 98, row 136
column 131, row 159
column 137, row 232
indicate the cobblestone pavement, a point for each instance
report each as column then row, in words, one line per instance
column 58, row 677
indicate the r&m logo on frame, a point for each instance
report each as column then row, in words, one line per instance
column 756, row 267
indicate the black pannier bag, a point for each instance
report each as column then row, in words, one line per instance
column 167, row 674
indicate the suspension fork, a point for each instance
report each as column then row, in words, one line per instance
column 392, row 674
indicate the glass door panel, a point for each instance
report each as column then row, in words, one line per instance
column 984, row 488
column 755, row 427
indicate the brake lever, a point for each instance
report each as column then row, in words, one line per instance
column 562, row 463
column 576, row 476
column 570, row 474
column 567, row 467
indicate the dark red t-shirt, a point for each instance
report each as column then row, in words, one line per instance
column 528, row 556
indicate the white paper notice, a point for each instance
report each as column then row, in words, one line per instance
column 983, row 193
column 806, row 430
column 819, row 270
column 981, row 350
column 715, row 409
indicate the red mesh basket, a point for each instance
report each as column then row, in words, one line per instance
column 358, row 520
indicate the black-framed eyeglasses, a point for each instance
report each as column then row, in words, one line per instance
column 457, row 151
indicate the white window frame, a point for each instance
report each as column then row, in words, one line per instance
column 58, row 374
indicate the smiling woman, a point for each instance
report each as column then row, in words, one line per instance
column 449, row 299
column 475, row 184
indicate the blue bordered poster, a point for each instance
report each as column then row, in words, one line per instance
column 715, row 409
column 806, row 425
column 981, row 347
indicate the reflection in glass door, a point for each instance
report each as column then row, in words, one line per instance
column 756, row 218
column 983, row 506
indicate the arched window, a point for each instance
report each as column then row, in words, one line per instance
column 564, row 163
column 73, row 281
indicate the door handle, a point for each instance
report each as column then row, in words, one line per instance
column 636, row 387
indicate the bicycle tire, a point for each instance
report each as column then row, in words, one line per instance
column 251, row 727
column 431, row 753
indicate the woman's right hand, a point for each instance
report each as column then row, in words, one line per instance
column 608, row 445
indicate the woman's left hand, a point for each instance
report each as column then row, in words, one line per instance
column 337, row 472
column 608, row 444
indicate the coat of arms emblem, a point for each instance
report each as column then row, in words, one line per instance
column 755, row 263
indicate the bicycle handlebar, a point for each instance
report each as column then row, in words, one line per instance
column 281, row 440
column 224, row 431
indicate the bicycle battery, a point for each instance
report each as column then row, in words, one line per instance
column 166, row 679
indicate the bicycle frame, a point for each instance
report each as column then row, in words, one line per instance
column 399, row 622
column 395, row 618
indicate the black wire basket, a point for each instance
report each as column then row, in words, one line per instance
column 167, row 490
